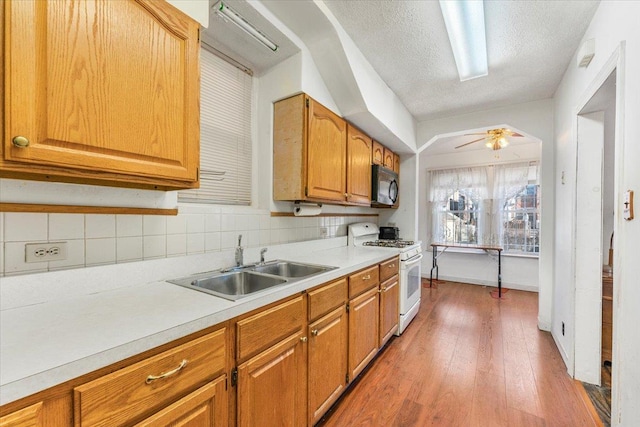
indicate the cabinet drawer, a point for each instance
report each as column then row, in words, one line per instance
column 266, row 328
column 363, row 280
column 124, row 396
column 326, row 298
column 389, row 268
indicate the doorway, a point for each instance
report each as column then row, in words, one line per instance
column 595, row 219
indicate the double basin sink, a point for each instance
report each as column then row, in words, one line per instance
column 247, row 280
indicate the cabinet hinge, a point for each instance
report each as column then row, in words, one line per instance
column 307, row 102
column 347, row 308
column 234, row 377
column 306, row 191
column 346, row 378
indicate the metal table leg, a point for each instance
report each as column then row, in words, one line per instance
column 499, row 274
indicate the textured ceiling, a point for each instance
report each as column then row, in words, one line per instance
column 529, row 46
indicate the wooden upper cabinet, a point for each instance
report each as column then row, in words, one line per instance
column 359, row 147
column 101, row 91
column 388, row 158
column 378, row 153
column 327, row 154
column 396, row 163
column 309, row 152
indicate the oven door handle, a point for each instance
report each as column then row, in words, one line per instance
column 411, row 261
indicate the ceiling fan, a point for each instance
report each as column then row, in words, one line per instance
column 495, row 138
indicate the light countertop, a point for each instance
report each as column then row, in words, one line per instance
column 79, row 328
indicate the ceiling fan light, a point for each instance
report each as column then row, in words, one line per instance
column 489, row 143
column 503, row 142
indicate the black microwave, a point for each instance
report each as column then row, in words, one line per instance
column 384, row 186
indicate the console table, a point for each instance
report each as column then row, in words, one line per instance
column 436, row 253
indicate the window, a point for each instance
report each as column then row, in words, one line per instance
column 225, row 134
column 521, row 221
column 463, row 212
column 457, row 195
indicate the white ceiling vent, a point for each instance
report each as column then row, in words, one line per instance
column 586, row 52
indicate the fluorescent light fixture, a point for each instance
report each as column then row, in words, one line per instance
column 226, row 12
column 465, row 25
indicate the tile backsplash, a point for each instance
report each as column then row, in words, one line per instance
column 109, row 239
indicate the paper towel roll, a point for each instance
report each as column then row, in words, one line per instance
column 307, row 210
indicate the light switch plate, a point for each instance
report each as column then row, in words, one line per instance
column 41, row 252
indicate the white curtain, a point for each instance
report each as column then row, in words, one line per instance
column 508, row 181
column 444, row 183
column 447, row 181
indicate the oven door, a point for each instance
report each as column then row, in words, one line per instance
column 410, row 279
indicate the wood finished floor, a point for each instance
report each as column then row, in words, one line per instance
column 466, row 360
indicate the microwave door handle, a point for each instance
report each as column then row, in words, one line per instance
column 393, row 191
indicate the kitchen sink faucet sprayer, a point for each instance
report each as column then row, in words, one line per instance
column 239, row 252
column 262, row 251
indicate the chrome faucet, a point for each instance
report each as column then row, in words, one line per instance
column 239, row 252
column 262, row 251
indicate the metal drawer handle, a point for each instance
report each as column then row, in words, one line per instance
column 383, row 289
column 367, row 277
column 314, row 332
column 391, row 265
column 303, row 339
column 152, row 378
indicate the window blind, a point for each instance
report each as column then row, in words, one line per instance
column 225, row 134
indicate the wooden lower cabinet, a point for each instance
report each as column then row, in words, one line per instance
column 272, row 386
column 327, row 368
column 389, row 309
column 294, row 360
column 31, row 416
column 363, row 330
column 206, row 406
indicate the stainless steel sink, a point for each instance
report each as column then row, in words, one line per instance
column 247, row 280
column 231, row 286
column 291, row 269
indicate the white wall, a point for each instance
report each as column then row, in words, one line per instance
column 535, row 119
column 614, row 23
column 197, row 9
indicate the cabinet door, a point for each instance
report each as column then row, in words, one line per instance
column 102, row 90
column 327, row 152
column 388, row 158
column 359, row 147
column 272, row 386
column 206, row 406
column 327, row 362
column 378, row 153
column 396, row 163
column 31, row 416
column 363, row 330
column 389, row 309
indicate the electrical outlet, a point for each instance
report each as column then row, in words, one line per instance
column 323, row 232
column 43, row 252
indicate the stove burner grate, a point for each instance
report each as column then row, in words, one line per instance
column 390, row 243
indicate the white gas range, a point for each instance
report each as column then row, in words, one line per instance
column 410, row 254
